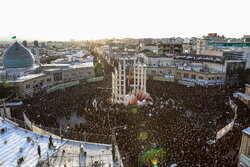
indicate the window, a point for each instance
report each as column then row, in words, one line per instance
column 193, row 76
column 34, row 81
column 218, row 78
column 27, row 86
column 57, row 76
column 212, row 78
column 186, row 75
column 49, row 80
column 161, row 72
column 201, row 77
column 209, row 78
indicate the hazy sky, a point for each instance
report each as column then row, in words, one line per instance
column 96, row 19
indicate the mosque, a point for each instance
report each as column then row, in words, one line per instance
column 24, row 71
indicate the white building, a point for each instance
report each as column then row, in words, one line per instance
column 19, row 147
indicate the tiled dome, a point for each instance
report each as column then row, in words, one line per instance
column 17, row 56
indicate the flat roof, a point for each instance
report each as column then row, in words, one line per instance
column 245, row 96
column 25, row 78
column 247, row 131
column 65, row 153
column 29, row 77
column 77, row 65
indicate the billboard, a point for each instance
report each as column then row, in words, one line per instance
column 224, row 130
column 27, row 121
column 186, row 83
column 167, row 79
column 229, row 44
column 95, row 79
column 62, row 86
column 43, row 132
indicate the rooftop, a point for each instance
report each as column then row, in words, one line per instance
column 77, row 65
column 247, row 131
column 28, row 77
column 207, row 58
column 245, row 96
column 14, row 145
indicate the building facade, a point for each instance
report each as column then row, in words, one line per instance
column 28, row 78
column 244, row 153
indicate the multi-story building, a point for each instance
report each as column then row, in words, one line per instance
column 202, row 44
column 169, row 48
column 233, row 47
column 244, row 153
column 246, row 38
column 199, row 69
column 19, row 68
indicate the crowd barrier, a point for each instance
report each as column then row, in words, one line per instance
column 229, row 126
column 68, row 134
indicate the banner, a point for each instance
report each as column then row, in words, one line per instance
column 62, row 86
column 12, row 104
column 27, row 121
column 234, row 107
column 95, row 79
column 224, row 130
column 186, row 83
column 7, row 113
column 43, row 132
column 167, row 79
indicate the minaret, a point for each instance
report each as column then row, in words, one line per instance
column 37, row 53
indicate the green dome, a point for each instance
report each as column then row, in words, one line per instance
column 17, row 56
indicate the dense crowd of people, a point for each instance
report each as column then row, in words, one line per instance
column 182, row 121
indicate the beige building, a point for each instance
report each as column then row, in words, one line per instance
column 207, row 70
column 200, row 77
column 27, row 85
column 20, row 69
column 244, row 154
column 161, row 71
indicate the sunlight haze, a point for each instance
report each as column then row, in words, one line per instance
column 96, row 19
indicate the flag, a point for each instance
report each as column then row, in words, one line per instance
column 14, row 37
column 128, row 78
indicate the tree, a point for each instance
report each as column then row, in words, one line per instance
column 6, row 89
column 99, row 69
column 244, row 77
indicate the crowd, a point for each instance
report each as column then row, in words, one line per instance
column 181, row 121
